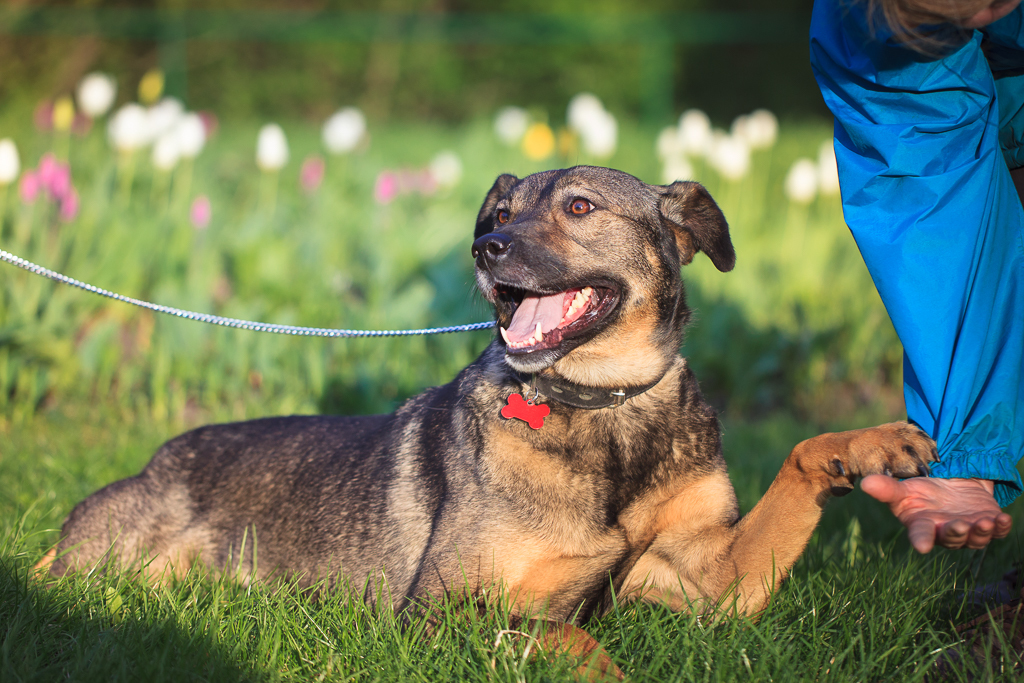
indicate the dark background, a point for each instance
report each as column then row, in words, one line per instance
column 444, row 60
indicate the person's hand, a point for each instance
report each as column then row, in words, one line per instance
column 953, row 513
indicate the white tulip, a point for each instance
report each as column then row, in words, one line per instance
column 729, row 155
column 762, row 129
column 600, row 135
column 802, row 181
column 10, row 164
column 164, row 116
column 510, row 125
column 668, row 145
column 166, row 151
column 828, row 171
column 676, row 168
column 191, row 134
column 695, row 132
column 446, row 169
column 128, row 128
column 583, row 110
column 96, row 93
column 271, row 148
column 344, row 130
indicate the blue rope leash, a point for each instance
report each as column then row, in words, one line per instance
column 234, row 322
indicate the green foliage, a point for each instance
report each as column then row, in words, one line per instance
column 860, row 605
column 797, row 325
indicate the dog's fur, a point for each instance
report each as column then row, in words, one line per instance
column 446, row 495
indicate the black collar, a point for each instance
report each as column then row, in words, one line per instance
column 579, row 396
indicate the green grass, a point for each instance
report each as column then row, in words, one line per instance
column 794, row 341
column 858, row 606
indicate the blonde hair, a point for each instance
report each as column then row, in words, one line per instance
column 906, row 17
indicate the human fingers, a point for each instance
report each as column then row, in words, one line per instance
column 953, row 534
column 980, row 533
column 1003, row 524
column 921, row 532
column 883, row 488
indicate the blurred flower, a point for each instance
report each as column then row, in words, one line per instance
column 166, row 151
column 191, row 135
column 210, row 123
column 446, row 169
column 63, row 114
column 311, row 174
column 96, row 93
column 151, row 87
column 69, row 205
column 676, row 168
column 42, row 116
column 10, row 164
column 598, row 129
column 200, row 212
column 583, row 109
column 343, row 132
column 762, row 129
column 128, row 128
column 828, row 171
column 538, row 142
column 385, row 189
column 730, row 156
column 271, row 148
column 163, row 116
column 802, row 181
column 510, row 125
column 54, row 176
column 668, row 145
column 694, row 132
column 29, row 186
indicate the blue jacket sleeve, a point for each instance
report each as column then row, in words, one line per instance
column 928, row 196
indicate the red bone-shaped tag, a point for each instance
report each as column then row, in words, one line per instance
column 527, row 411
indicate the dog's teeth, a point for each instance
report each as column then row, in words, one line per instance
column 504, row 334
column 539, row 334
column 587, row 291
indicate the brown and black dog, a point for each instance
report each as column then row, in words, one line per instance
column 574, row 459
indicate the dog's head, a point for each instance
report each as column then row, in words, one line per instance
column 582, row 267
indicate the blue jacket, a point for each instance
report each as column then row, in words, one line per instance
column 924, row 147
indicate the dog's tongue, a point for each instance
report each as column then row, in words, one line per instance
column 546, row 310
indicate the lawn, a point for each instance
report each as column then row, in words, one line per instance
column 792, row 343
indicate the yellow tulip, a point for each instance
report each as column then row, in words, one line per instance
column 151, row 86
column 63, row 114
column 539, row 142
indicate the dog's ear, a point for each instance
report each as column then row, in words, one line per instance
column 485, row 219
column 699, row 225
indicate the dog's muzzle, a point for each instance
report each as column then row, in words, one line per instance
column 491, row 248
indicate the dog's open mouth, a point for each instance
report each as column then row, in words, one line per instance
column 543, row 321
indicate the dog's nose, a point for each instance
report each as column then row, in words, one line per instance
column 492, row 247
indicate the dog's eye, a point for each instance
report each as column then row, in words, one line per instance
column 502, row 216
column 581, row 206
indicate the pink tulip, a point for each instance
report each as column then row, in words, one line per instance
column 311, row 174
column 201, row 212
column 386, row 188
column 43, row 116
column 69, row 205
column 29, row 186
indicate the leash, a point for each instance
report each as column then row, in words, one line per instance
column 234, row 322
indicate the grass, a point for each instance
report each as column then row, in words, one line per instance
column 858, row 606
column 793, row 342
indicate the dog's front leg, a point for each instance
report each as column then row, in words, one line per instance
column 771, row 537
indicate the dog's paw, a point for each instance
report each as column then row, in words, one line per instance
column 897, row 449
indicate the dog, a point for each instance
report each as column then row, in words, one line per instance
column 574, row 464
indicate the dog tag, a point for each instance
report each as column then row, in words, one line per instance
column 527, row 411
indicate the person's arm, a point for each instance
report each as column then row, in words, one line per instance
column 929, row 199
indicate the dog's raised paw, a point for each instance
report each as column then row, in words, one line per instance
column 897, row 449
